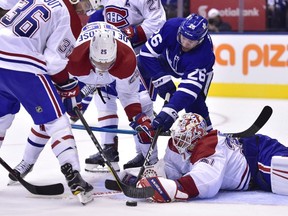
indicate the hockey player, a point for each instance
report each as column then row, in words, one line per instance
column 183, row 49
column 116, row 67
column 33, row 59
column 138, row 20
column 199, row 163
column 102, row 54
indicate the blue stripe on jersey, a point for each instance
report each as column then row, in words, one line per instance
column 23, row 62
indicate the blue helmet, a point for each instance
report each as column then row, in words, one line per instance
column 194, row 27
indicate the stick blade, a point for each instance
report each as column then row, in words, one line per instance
column 263, row 117
column 49, row 190
column 112, row 185
column 53, row 189
column 128, row 190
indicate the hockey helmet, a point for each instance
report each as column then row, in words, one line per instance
column 190, row 128
column 103, row 49
column 194, row 27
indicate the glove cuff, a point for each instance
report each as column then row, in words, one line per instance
column 170, row 110
column 72, row 83
column 161, row 81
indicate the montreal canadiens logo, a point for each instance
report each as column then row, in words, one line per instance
column 117, row 16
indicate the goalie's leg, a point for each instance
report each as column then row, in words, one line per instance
column 268, row 162
column 279, row 175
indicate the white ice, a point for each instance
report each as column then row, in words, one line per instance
column 228, row 115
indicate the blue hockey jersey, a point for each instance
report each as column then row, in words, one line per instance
column 162, row 55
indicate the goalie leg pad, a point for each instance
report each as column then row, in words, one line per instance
column 279, row 175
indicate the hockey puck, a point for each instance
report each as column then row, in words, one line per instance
column 131, row 203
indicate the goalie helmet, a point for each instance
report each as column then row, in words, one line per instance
column 194, row 27
column 94, row 3
column 103, row 49
column 190, row 128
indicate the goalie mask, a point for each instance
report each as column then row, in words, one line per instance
column 103, row 49
column 190, row 128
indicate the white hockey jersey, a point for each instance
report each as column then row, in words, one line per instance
column 123, row 13
column 37, row 36
column 124, row 70
column 7, row 4
column 216, row 163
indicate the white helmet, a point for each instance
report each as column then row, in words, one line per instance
column 103, row 47
column 190, row 128
column 94, row 3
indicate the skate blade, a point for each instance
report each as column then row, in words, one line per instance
column 85, row 197
column 94, row 168
column 11, row 182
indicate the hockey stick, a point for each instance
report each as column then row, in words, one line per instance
column 111, row 130
column 111, row 184
column 108, row 130
column 149, row 153
column 128, row 190
column 152, row 145
column 53, row 189
column 256, row 126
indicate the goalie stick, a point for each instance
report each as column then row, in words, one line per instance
column 252, row 130
column 256, row 126
column 128, row 190
column 53, row 189
column 110, row 184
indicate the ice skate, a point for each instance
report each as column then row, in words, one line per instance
column 95, row 163
column 138, row 161
column 78, row 187
column 22, row 169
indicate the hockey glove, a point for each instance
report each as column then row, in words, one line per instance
column 143, row 122
column 166, row 190
column 70, row 94
column 165, row 118
column 135, row 34
column 164, row 85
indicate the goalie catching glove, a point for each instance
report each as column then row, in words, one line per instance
column 143, row 122
column 70, row 94
column 166, row 190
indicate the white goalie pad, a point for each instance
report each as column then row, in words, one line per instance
column 279, row 175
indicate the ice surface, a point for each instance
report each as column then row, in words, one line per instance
column 228, row 115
